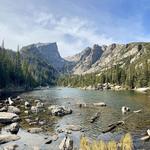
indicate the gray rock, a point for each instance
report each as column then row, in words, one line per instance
column 8, row 138
column 66, row 144
column 35, row 130
column 99, row 104
column 82, row 105
column 13, row 109
column 11, row 147
column 3, row 109
column 6, row 117
column 13, row 128
column 55, row 137
column 41, row 123
column 27, row 104
column 28, row 120
column 125, row 109
column 26, row 112
column 35, row 109
column 40, row 105
column 73, row 127
column 59, row 110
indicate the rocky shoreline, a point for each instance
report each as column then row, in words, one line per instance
column 114, row 87
column 35, row 117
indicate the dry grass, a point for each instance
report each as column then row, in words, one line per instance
column 125, row 143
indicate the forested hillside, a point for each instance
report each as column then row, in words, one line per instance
column 132, row 71
column 16, row 71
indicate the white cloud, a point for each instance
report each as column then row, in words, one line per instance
column 25, row 24
column 71, row 34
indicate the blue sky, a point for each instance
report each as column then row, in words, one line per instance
column 73, row 24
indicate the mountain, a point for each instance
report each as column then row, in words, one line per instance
column 47, row 52
column 99, row 58
column 84, row 60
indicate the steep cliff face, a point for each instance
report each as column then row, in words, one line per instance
column 84, row 60
column 47, row 52
column 99, row 58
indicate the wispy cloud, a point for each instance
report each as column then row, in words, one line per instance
column 71, row 33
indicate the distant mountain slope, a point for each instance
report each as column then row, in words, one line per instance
column 84, row 60
column 47, row 52
column 99, row 57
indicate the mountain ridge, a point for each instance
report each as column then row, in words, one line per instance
column 110, row 55
column 46, row 51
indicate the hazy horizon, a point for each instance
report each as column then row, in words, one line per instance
column 74, row 25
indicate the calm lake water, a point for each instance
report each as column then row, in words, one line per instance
column 136, row 124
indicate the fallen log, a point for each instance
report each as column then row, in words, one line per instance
column 137, row 111
column 145, row 138
column 116, row 123
column 113, row 126
column 95, row 117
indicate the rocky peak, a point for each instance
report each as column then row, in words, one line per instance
column 85, row 59
column 98, row 57
column 47, row 52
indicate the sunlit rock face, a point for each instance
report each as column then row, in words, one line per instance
column 48, row 52
column 98, row 58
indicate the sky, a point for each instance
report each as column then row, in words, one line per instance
column 73, row 24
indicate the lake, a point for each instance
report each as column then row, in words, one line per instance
column 135, row 123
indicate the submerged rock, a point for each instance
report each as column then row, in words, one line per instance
column 59, row 110
column 74, row 127
column 6, row 117
column 13, row 109
column 35, row 130
column 82, row 105
column 99, row 104
column 10, row 102
column 8, row 138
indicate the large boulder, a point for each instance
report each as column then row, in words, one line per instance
column 59, row 110
column 13, row 109
column 6, row 117
column 8, row 138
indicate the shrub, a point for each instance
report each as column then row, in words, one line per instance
column 125, row 143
